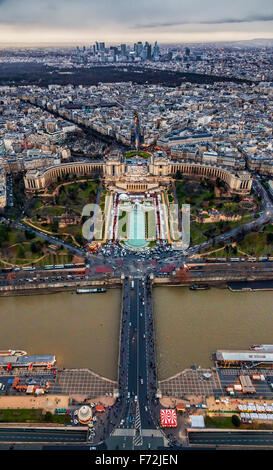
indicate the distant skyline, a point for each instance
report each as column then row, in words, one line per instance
column 175, row 21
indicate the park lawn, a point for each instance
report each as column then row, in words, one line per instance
column 133, row 153
column 21, row 415
column 268, row 228
column 253, row 244
column 21, row 253
column 58, row 258
column 30, row 416
column 21, row 261
column 76, row 195
column 18, row 249
column 218, row 254
column 48, row 210
column 195, row 193
column 24, row 255
column 208, row 230
column 63, row 233
column 201, row 195
column 224, row 422
column 256, row 244
column 102, row 200
column 196, row 238
column 74, row 230
column 170, row 196
column 220, row 422
column 13, row 237
column 122, row 224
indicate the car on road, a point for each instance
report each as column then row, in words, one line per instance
column 141, row 381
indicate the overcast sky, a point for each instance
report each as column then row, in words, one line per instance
column 130, row 20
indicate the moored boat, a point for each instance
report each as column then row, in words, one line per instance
column 262, row 347
column 199, row 287
column 94, row 290
column 13, row 352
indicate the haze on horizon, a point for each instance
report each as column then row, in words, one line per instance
column 175, row 21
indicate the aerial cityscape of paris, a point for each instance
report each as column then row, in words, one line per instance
column 136, row 228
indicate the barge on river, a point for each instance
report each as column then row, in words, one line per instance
column 29, row 362
column 94, row 290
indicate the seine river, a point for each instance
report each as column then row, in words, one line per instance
column 80, row 330
column 83, row 330
column 191, row 325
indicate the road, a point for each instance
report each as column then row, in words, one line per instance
column 232, row 438
column 199, row 272
column 42, row 435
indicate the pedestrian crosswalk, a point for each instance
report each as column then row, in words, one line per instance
column 138, row 440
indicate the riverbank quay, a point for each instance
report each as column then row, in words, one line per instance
column 27, row 289
column 45, row 288
column 251, row 286
column 234, row 286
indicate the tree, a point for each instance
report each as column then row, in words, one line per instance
column 178, row 175
column 48, row 417
column 73, row 193
column 29, row 235
column 269, row 238
column 55, row 226
column 33, row 247
column 36, row 247
column 235, row 421
column 4, row 233
column 78, row 239
column 21, row 252
column 219, row 183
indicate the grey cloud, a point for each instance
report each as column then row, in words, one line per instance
column 250, row 19
column 128, row 12
column 131, row 17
